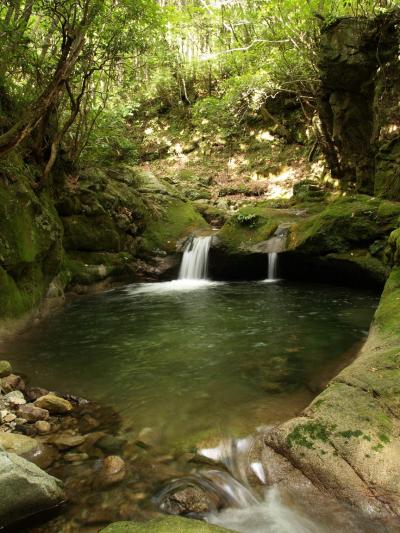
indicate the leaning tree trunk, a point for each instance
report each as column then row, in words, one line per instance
column 15, row 135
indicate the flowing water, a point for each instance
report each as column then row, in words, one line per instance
column 195, row 258
column 193, row 361
column 272, row 266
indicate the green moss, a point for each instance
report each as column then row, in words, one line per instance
column 350, row 434
column 177, row 220
column 306, row 434
column 344, row 224
column 91, row 233
column 387, row 315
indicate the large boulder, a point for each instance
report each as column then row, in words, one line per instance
column 165, row 525
column 25, row 489
column 347, row 441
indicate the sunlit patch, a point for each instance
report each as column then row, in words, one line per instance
column 149, row 131
column 232, row 163
column 265, row 136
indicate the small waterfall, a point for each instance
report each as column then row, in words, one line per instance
column 272, row 265
column 195, row 258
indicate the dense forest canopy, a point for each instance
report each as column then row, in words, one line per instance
column 73, row 72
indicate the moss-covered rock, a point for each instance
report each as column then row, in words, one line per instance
column 345, row 224
column 30, row 246
column 347, row 440
column 164, row 525
column 175, row 220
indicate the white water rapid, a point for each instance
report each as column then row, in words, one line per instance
column 272, row 266
column 195, row 259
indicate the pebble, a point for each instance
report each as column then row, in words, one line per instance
column 113, row 471
column 32, row 413
column 73, row 457
column 65, row 440
column 54, row 404
column 43, row 427
column 33, row 393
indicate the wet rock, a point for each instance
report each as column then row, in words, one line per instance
column 12, row 383
column 43, row 427
column 45, row 456
column 148, row 438
column 190, row 500
column 33, row 393
column 5, row 369
column 113, row 471
column 67, row 440
column 110, row 443
column 88, row 423
column 18, row 444
column 25, row 489
column 32, row 413
column 54, row 404
column 169, row 524
column 14, row 398
column 73, row 457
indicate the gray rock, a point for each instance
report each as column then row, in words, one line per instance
column 14, row 398
column 25, row 489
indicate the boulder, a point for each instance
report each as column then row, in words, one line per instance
column 25, row 489
column 174, row 524
column 5, row 369
column 54, row 404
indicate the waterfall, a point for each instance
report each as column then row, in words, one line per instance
column 195, row 258
column 272, row 265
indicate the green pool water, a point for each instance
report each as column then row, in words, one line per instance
column 186, row 359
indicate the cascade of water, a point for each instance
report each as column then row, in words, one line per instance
column 195, row 258
column 272, row 265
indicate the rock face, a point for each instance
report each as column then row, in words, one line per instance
column 164, row 525
column 25, row 489
column 347, row 441
column 359, row 102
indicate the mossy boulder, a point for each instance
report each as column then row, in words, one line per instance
column 174, row 220
column 164, row 525
column 345, row 224
column 347, row 441
column 91, row 233
column 30, row 247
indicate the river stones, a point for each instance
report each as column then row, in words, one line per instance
column 18, row 444
column 5, row 369
column 54, row 404
column 25, row 489
column 113, row 471
column 33, row 393
column 32, row 413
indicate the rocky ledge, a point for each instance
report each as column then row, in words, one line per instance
column 347, row 441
